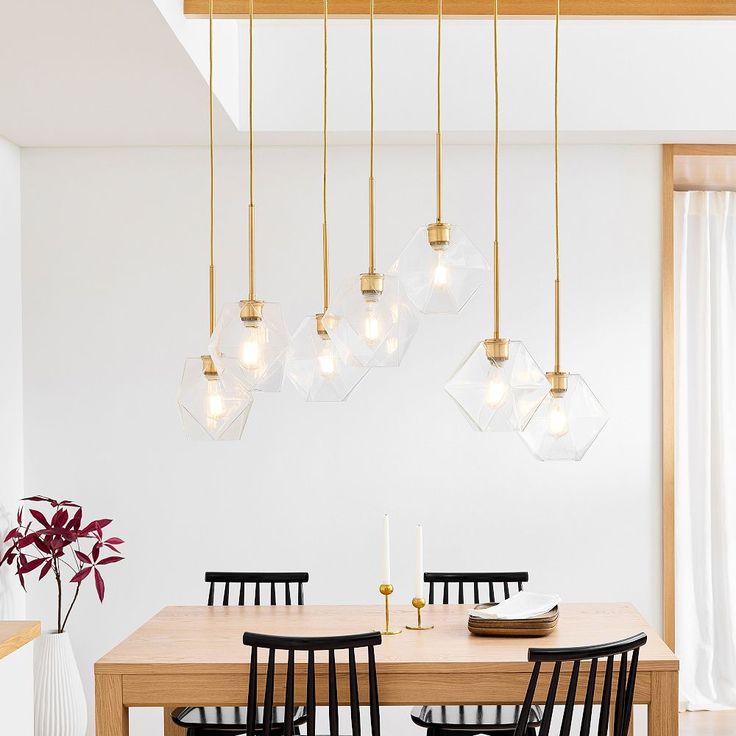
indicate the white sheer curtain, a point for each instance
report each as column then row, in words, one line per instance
column 705, row 447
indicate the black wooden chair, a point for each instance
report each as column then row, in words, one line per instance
column 232, row 720
column 616, row 707
column 261, row 710
column 442, row 720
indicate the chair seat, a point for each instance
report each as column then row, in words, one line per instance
column 232, row 719
column 472, row 718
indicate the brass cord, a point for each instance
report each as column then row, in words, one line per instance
column 325, row 251
column 438, row 139
column 557, row 193
column 212, row 190
column 371, row 181
column 251, row 209
column 496, row 271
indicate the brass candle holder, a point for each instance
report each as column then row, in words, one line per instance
column 419, row 603
column 386, row 589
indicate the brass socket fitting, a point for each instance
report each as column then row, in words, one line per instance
column 418, row 603
column 557, row 382
column 497, row 349
column 438, row 234
column 386, row 588
column 208, row 368
column 251, row 310
column 322, row 323
column 371, row 283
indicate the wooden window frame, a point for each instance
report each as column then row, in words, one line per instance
column 670, row 153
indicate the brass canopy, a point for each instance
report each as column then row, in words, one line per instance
column 371, row 283
column 439, row 235
column 497, row 349
column 208, row 368
column 386, row 588
column 558, row 382
column 251, row 310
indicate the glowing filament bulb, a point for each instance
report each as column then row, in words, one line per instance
column 558, row 425
column 496, row 388
column 252, row 348
column 371, row 325
column 326, row 363
column 215, row 407
column 441, row 275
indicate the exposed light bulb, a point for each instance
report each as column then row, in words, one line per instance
column 496, row 388
column 252, row 348
column 557, row 425
column 215, row 404
column 441, row 275
column 326, row 362
column 371, row 324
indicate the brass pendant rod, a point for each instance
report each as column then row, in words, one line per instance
column 557, row 192
column 325, row 251
column 212, row 186
column 251, row 209
column 371, row 180
column 438, row 140
column 496, row 268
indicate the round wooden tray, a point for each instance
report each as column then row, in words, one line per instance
column 537, row 626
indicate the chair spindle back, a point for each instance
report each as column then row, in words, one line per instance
column 617, row 691
column 270, row 581
column 310, row 645
column 488, row 581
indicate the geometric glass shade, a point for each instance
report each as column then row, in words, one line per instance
column 441, row 281
column 258, row 346
column 320, row 368
column 565, row 425
column 498, row 395
column 215, row 407
column 376, row 329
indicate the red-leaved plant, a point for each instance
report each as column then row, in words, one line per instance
column 62, row 544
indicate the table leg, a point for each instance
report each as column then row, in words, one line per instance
column 111, row 716
column 170, row 728
column 663, row 707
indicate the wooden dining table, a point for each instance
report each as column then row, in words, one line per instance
column 194, row 655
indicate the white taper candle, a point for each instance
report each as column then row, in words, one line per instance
column 419, row 583
column 386, row 552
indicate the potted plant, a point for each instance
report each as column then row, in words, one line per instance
column 55, row 541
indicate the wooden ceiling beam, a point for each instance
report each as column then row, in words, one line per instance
column 467, row 8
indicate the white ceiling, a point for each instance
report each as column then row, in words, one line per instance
column 98, row 73
column 131, row 72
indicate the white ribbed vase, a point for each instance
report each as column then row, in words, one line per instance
column 60, row 708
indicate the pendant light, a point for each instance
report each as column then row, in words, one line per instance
column 214, row 402
column 499, row 384
column 252, row 332
column 570, row 417
column 320, row 368
column 440, row 267
column 371, row 315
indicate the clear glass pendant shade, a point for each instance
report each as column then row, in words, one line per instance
column 320, row 368
column 498, row 395
column 376, row 329
column 565, row 425
column 257, row 345
column 440, row 281
column 213, row 407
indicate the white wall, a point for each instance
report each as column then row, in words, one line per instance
column 16, row 684
column 115, row 279
column 620, row 79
